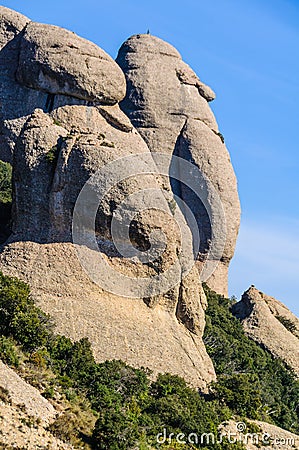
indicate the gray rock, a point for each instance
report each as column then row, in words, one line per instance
column 58, row 61
column 33, row 163
column 114, row 116
column 270, row 323
column 208, row 153
column 186, row 76
column 165, row 336
column 62, row 123
column 16, row 101
column 168, row 104
column 11, row 23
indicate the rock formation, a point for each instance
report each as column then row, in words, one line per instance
column 121, row 183
column 25, row 415
column 61, row 125
column 271, row 324
column 168, row 105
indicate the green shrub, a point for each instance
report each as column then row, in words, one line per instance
column 287, row 323
column 241, row 392
column 19, row 317
column 60, row 348
column 52, row 155
column 8, row 352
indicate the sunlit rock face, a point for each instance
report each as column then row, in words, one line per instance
column 62, row 129
column 168, row 105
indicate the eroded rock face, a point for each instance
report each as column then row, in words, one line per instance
column 168, row 104
column 58, row 61
column 62, row 124
column 271, row 324
column 21, row 392
column 21, row 406
column 11, row 23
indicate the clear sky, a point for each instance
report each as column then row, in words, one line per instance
column 248, row 52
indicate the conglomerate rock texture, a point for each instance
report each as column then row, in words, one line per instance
column 61, row 126
column 73, row 121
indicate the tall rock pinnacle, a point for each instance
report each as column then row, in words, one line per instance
column 168, row 105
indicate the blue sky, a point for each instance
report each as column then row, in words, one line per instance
column 247, row 51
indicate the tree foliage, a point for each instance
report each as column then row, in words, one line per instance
column 131, row 409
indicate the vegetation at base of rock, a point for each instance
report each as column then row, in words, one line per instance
column 8, row 353
column 5, row 199
column 130, row 409
column 114, row 406
column 75, row 424
column 250, row 380
column 20, row 319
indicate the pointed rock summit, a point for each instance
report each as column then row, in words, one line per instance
column 271, row 324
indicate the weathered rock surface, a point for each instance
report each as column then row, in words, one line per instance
column 25, row 415
column 16, row 101
column 57, row 61
column 168, row 104
column 280, row 311
column 40, row 62
column 64, row 125
column 19, row 430
column 271, row 324
column 23, row 393
column 11, row 23
column 118, row 328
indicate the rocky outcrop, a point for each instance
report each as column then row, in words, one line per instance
column 57, row 61
column 22, row 393
column 25, row 415
column 82, row 173
column 168, row 104
column 271, row 324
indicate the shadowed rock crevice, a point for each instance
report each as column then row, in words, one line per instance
column 191, row 200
